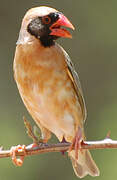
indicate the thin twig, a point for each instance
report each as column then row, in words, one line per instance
column 60, row 147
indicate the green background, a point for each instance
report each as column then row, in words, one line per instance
column 93, row 49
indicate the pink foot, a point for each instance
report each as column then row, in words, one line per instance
column 76, row 143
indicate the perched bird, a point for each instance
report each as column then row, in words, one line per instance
column 49, row 85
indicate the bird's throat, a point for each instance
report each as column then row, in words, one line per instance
column 47, row 41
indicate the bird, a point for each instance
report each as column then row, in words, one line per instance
column 49, row 84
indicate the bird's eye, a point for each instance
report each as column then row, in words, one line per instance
column 46, row 20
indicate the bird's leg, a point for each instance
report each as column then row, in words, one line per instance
column 14, row 149
column 63, row 141
column 76, row 143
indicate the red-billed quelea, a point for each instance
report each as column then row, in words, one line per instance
column 49, row 85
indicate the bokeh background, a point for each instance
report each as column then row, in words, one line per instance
column 93, row 49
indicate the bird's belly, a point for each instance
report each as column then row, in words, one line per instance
column 52, row 102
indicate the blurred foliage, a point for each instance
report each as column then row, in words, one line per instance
column 93, row 49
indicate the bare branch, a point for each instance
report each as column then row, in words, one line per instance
column 34, row 149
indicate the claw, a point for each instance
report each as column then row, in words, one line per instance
column 63, row 141
column 108, row 135
column 14, row 149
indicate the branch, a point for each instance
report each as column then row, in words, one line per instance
column 34, row 149
column 38, row 148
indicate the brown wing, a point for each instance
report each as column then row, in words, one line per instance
column 76, row 82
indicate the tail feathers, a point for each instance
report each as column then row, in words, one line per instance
column 84, row 165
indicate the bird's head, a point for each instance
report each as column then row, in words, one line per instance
column 45, row 24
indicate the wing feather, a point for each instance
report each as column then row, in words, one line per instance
column 76, row 82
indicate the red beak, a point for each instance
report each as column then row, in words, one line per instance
column 56, row 29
